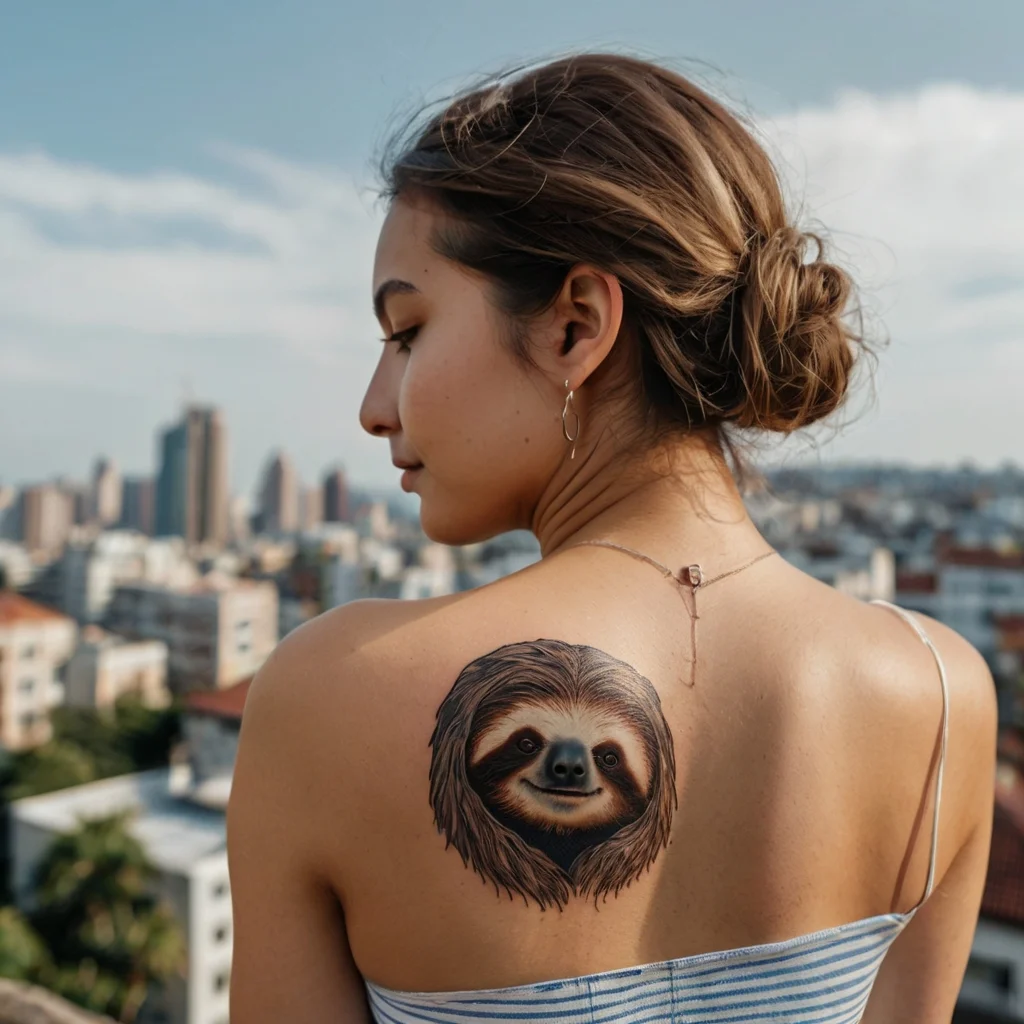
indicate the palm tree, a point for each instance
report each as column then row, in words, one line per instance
column 109, row 937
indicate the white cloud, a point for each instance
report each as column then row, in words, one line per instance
column 292, row 264
column 922, row 195
column 137, row 279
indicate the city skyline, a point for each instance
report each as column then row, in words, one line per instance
column 218, row 242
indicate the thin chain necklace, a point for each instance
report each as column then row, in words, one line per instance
column 690, row 576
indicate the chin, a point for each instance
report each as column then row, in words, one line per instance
column 448, row 524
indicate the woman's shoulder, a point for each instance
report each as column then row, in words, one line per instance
column 345, row 656
column 920, row 681
column 944, row 661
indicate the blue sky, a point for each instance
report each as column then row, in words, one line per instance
column 183, row 203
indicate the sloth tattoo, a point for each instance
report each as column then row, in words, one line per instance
column 553, row 771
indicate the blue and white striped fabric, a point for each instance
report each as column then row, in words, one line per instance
column 821, row 978
column 815, row 978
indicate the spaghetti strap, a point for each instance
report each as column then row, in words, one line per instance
column 911, row 620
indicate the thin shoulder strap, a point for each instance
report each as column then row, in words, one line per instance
column 927, row 640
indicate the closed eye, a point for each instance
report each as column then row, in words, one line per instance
column 403, row 337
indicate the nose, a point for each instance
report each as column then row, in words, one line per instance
column 378, row 415
column 568, row 765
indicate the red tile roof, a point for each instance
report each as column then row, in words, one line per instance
column 15, row 608
column 982, row 558
column 226, row 703
column 1004, row 886
column 916, row 583
column 1011, row 631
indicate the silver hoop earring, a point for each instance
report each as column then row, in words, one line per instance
column 565, row 412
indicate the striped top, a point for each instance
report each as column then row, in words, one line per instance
column 812, row 979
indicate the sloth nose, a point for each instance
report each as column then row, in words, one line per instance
column 567, row 764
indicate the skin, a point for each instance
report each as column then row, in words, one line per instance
column 805, row 752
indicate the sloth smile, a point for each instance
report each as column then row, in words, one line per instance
column 570, row 793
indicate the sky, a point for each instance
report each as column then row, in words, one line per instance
column 187, row 207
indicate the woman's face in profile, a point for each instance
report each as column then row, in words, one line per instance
column 448, row 393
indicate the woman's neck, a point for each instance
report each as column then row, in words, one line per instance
column 679, row 503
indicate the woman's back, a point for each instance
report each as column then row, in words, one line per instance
column 804, row 756
column 586, row 279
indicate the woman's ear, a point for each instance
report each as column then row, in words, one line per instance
column 586, row 318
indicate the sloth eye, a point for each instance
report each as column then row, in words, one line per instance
column 610, row 760
column 526, row 745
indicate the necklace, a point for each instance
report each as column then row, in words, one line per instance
column 690, row 576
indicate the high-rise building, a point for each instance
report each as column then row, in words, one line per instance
column 311, row 508
column 192, row 485
column 80, row 499
column 336, row 503
column 239, row 529
column 46, row 514
column 279, row 496
column 9, row 528
column 138, row 509
column 106, row 496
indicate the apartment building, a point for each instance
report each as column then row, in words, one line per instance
column 35, row 642
column 106, row 667
column 217, row 631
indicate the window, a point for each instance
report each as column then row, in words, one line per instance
column 243, row 636
column 27, row 685
column 220, row 889
column 28, row 652
column 221, row 933
column 999, row 588
column 29, row 719
column 221, row 980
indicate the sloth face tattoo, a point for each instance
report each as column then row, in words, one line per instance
column 553, row 771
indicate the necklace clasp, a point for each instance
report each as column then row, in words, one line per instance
column 694, row 575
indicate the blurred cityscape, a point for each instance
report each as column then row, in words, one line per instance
column 135, row 610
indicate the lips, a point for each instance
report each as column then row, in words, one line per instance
column 570, row 793
column 409, row 475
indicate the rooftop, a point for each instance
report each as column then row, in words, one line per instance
column 96, row 636
column 1011, row 631
column 982, row 558
column 226, row 703
column 916, row 583
column 15, row 608
column 212, row 583
column 1004, row 886
column 176, row 833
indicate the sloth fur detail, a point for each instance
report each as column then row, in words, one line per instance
column 553, row 771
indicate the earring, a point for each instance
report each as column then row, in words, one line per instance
column 565, row 411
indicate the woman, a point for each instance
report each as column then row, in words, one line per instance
column 660, row 774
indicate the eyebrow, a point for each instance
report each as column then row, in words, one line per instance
column 393, row 286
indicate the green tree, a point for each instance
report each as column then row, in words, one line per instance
column 146, row 735
column 130, row 738
column 23, row 954
column 95, row 733
column 55, row 765
column 109, row 937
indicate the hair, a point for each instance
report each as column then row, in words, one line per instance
column 735, row 316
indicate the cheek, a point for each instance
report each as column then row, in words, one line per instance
column 470, row 411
